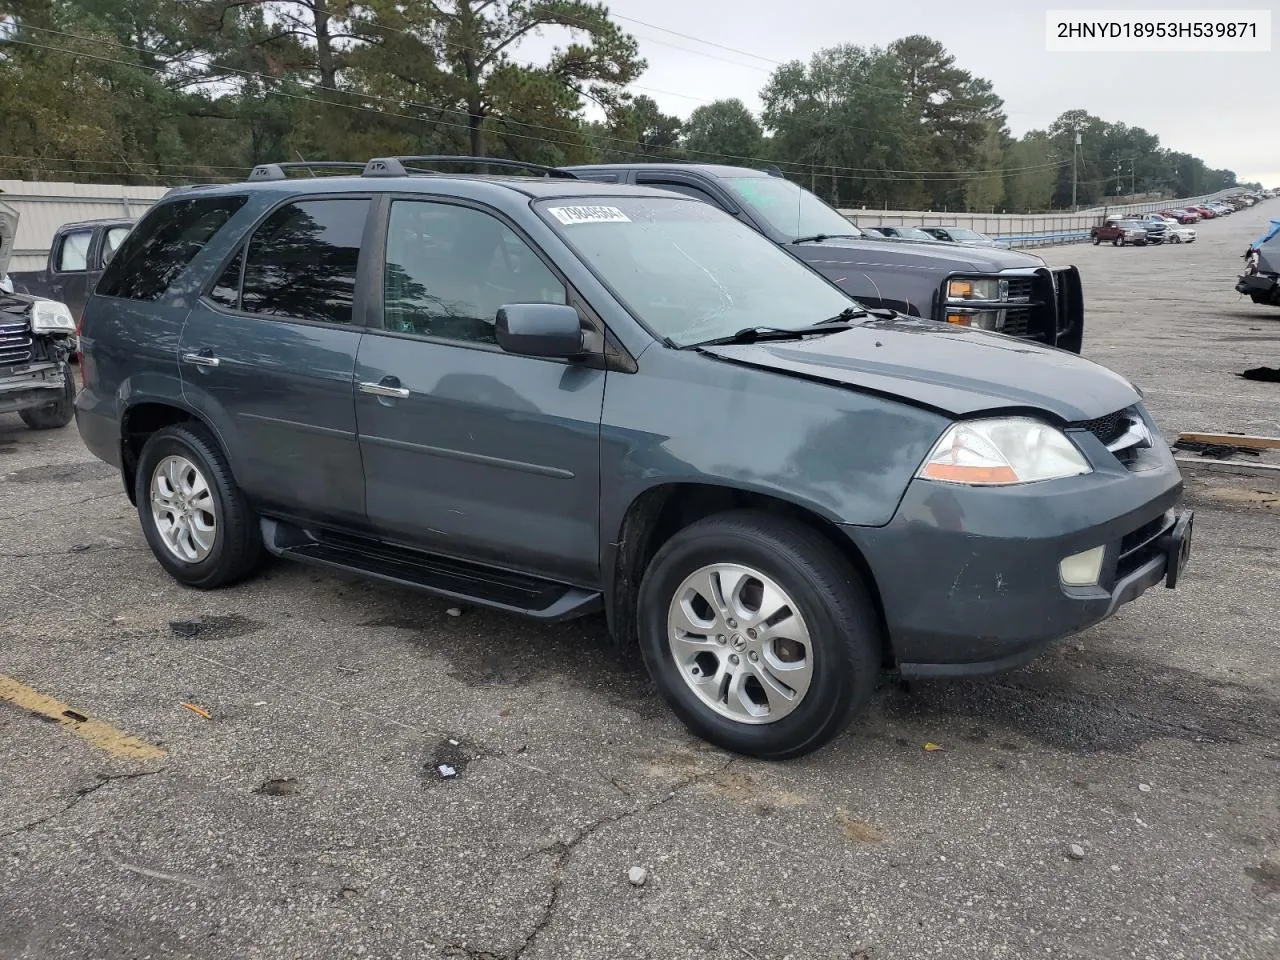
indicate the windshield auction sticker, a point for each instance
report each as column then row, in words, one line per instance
column 1172, row 31
column 572, row 215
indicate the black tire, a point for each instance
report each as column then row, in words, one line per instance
column 845, row 631
column 1096, row 239
column 1118, row 242
column 237, row 546
column 54, row 416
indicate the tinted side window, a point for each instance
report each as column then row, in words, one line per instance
column 73, row 254
column 450, row 268
column 226, row 291
column 162, row 245
column 302, row 261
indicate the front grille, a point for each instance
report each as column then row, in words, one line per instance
column 1143, row 544
column 1020, row 288
column 1108, row 429
column 15, row 343
column 1017, row 323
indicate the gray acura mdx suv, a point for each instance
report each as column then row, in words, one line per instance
column 552, row 396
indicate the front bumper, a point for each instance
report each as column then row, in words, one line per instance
column 1259, row 283
column 30, row 385
column 968, row 576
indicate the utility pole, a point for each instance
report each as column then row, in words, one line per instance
column 1133, row 179
column 1074, row 176
column 1119, row 182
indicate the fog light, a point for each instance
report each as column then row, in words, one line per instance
column 1082, row 569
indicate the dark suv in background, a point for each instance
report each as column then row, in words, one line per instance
column 1007, row 291
column 551, row 396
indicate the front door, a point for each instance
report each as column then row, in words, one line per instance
column 269, row 352
column 69, row 276
column 469, row 451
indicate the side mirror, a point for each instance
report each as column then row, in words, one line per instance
column 540, row 330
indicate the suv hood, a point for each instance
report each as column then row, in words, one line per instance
column 956, row 370
column 8, row 230
column 932, row 254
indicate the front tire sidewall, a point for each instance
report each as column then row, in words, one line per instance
column 845, row 665
column 212, row 569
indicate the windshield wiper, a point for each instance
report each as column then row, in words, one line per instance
column 819, row 237
column 757, row 334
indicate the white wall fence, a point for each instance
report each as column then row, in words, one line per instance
column 43, row 207
column 1025, row 230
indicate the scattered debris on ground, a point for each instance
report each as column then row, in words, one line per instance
column 1075, row 851
column 638, row 876
column 282, row 787
column 1264, row 374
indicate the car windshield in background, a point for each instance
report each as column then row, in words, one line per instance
column 790, row 210
column 914, row 233
column 689, row 271
column 963, row 233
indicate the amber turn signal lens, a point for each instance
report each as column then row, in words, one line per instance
column 960, row 288
column 957, row 473
column 960, row 319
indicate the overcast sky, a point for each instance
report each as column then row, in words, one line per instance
column 1221, row 107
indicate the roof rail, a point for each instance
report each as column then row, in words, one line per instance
column 399, row 166
column 279, row 171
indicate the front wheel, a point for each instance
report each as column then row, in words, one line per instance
column 1096, row 239
column 1118, row 242
column 194, row 516
column 58, row 414
column 759, row 634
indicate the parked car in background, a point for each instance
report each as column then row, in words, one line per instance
column 532, row 394
column 1008, row 291
column 37, row 338
column 1120, row 232
column 1177, row 233
column 1204, row 212
column 77, row 257
column 899, row 233
column 1181, row 215
column 961, row 235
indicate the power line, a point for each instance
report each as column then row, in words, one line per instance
column 925, row 176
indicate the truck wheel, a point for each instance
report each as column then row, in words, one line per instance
column 1096, row 239
column 1118, row 242
column 58, row 414
column 196, row 520
column 759, row 635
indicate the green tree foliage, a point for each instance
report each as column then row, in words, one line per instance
column 166, row 91
column 723, row 131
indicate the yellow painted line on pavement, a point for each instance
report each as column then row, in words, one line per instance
column 101, row 735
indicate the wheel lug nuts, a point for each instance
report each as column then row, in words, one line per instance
column 721, row 639
column 733, row 624
column 733, row 658
column 751, row 633
column 753, row 656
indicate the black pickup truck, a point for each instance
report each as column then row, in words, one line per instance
column 995, row 289
column 77, row 257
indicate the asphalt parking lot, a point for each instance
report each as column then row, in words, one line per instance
column 299, row 809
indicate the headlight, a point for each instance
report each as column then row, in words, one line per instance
column 1000, row 452
column 981, row 319
column 50, row 316
column 987, row 289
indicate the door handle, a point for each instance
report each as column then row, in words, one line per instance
column 382, row 390
column 201, row 359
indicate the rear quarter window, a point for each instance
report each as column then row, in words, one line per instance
column 163, row 244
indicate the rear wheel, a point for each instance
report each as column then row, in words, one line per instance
column 58, row 414
column 196, row 520
column 760, row 636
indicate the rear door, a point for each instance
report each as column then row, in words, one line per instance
column 268, row 353
column 470, row 451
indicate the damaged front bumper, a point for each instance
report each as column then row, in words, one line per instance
column 970, row 578
column 30, row 385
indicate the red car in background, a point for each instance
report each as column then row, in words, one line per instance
column 1182, row 216
column 1204, row 212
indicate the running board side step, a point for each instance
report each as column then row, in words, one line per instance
column 459, row 580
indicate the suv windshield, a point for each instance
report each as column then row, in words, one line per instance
column 790, row 210
column 689, row 271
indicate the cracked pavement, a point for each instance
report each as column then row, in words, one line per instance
column 307, row 817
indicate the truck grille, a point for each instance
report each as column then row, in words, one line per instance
column 15, row 342
column 1017, row 323
column 1020, row 288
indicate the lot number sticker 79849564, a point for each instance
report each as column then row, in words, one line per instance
column 572, row 215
